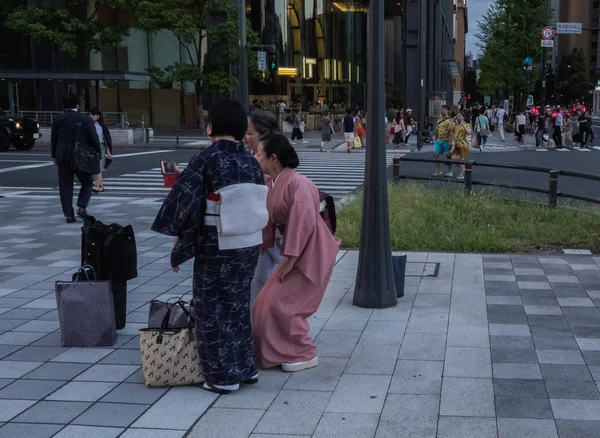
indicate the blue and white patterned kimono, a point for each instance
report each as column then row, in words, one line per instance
column 221, row 277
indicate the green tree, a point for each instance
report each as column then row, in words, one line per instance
column 210, row 48
column 73, row 31
column 573, row 79
column 508, row 33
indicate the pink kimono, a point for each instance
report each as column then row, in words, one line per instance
column 279, row 314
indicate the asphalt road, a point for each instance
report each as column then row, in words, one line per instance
column 584, row 162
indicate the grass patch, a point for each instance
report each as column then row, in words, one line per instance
column 426, row 218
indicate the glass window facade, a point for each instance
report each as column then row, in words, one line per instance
column 323, row 40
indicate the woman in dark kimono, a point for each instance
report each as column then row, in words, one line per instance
column 222, row 277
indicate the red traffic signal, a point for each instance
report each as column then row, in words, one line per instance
column 468, row 97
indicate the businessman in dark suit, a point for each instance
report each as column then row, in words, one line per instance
column 64, row 135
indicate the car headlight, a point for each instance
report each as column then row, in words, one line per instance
column 38, row 125
column 17, row 125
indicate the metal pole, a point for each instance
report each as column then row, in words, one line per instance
column 543, row 96
column 396, row 169
column 375, row 287
column 468, row 177
column 553, row 188
column 11, row 99
column 422, row 70
column 243, row 58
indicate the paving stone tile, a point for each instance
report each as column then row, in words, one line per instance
column 576, row 429
column 582, row 316
column 467, row 362
column 566, row 409
column 82, row 391
column 468, row 335
column 565, row 290
column 135, row 393
column 542, row 310
column 339, row 425
column 83, row 355
column 336, row 343
column 509, row 330
column 522, row 388
column 13, row 370
column 431, row 302
column 10, row 324
column 29, row 430
column 530, row 428
column 347, row 321
column 502, row 278
column 508, row 300
column 431, row 286
column 575, row 302
column 423, row 346
column 501, row 314
column 567, row 357
column 5, row 382
column 107, row 373
column 57, row 371
column 361, row 361
column 110, row 414
column 591, row 357
column 40, row 303
column 211, row 424
column 565, row 372
column 466, row 397
column 422, row 321
column 523, row 407
column 32, row 353
column 407, row 415
column 516, row 371
column 26, row 314
column 586, row 332
column 538, row 300
column 417, row 377
column 56, row 412
column 466, row 427
column 588, row 344
column 294, row 412
column 515, row 342
column 487, row 271
column 501, row 288
column 11, row 408
column 137, row 377
column 19, row 338
column 572, row 389
column 533, row 285
column 154, row 433
column 549, row 325
column 528, row 271
column 359, row 393
column 325, row 377
column 514, row 355
column 562, row 279
column 550, row 343
column 7, row 350
column 72, row 431
column 30, row 389
column 179, row 408
column 383, row 332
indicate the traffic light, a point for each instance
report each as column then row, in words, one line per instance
column 273, row 61
column 468, row 97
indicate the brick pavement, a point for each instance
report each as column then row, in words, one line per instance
column 481, row 346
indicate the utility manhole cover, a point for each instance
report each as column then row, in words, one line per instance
column 419, row 269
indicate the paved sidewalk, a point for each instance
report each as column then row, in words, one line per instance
column 481, row 346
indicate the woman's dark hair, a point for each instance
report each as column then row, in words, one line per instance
column 96, row 112
column 398, row 117
column 263, row 121
column 279, row 145
column 70, row 101
column 228, row 118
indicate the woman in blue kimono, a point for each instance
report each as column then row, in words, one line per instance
column 222, row 277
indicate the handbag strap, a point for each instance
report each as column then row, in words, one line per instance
column 85, row 268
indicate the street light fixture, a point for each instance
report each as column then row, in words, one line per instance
column 375, row 287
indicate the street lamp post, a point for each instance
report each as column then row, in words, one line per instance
column 375, row 287
column 243, row 58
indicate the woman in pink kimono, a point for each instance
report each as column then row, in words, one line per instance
column 295, row 289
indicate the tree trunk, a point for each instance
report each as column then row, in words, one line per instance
column 200, row 109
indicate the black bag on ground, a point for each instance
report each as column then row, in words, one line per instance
column 178, row 318
column 110, row 249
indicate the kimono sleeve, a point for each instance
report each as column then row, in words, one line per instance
column 302, row 219
column 183, row 206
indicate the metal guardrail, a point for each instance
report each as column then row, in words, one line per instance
column 553, row 174
column 46, row 118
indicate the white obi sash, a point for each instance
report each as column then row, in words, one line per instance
column 240, row 214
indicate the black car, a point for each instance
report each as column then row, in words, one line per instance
column 21, row 132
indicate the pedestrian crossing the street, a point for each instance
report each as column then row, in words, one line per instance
column 335, row 173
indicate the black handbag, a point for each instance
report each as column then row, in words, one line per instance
column 85, row 160
column 179, row 313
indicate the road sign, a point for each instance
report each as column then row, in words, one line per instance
column 569, row 28
column 528, row 61
column 547, row 43
column 262, row 61
column 547, row 33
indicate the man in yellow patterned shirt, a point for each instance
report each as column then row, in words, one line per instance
column 444, row 136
